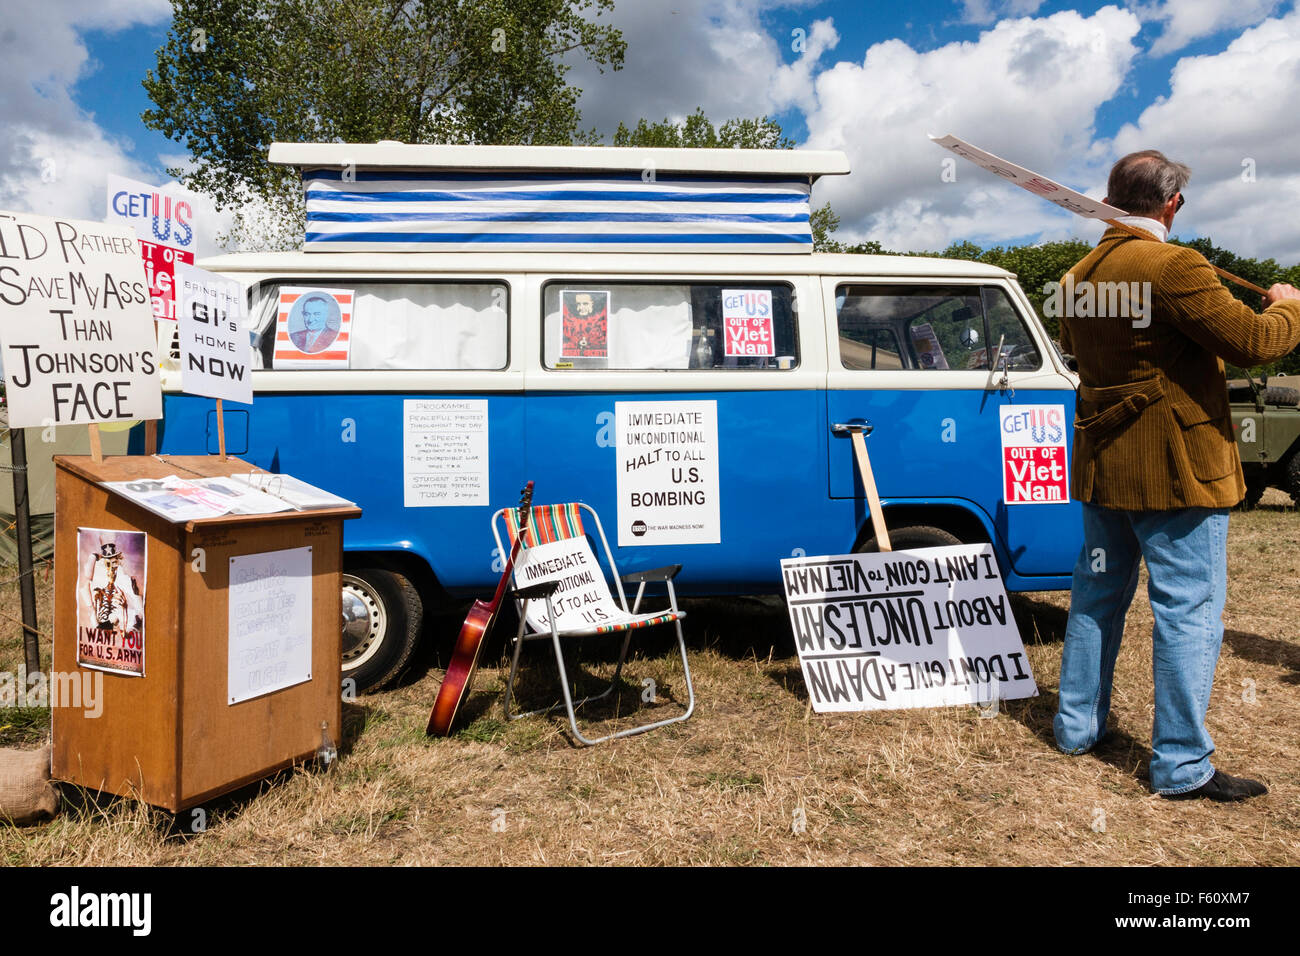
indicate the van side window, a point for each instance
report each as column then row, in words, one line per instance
column 426, row 325
column 594, row 324
column 930, row 328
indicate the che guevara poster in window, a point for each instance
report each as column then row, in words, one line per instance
column 110, row 600
column 585, row 324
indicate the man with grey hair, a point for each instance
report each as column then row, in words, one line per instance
column 1156, row 467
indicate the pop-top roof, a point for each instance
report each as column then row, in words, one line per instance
column 395, row 197
column 413, row 156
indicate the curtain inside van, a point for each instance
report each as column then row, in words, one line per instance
column 410, row 325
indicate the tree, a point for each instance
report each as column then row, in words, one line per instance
column 697, row 132
column 235, row 75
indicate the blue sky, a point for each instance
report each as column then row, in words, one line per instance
column 1064, row 88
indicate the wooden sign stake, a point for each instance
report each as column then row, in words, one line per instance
column 221, row 430
column 856, row 432
column 96, row 449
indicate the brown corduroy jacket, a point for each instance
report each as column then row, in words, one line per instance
column 1152, row 429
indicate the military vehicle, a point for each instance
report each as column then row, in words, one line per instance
column 1266, row 422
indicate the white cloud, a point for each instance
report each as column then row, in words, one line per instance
column 1188, row 20
column 1027, row 89
column 54, row 157
column 1222, row 111
column 716, row 54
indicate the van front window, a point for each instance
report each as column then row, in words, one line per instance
column 931, row 328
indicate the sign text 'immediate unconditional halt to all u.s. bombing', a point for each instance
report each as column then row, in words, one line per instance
column 924, row 628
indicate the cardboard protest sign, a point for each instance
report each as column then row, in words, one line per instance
column 215, row 349
column 1035, row 469
column 925, row 628
column 313, row 328
column 667, row 460
column 747, row 323
column 582, row 599
column 1037, row 184
column 75, row 323
column 164, row 224
column 584, row 324
column 111, row 571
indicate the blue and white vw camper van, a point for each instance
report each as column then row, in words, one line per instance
column 645, row 330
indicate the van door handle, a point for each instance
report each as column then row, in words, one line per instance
column 851, row 426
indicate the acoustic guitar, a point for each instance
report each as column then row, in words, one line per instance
column 473, row 635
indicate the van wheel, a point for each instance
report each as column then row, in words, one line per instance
column 911, row 536
column 381, row 626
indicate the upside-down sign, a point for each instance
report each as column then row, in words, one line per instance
column 1035, row 470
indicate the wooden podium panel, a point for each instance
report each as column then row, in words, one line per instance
column 171, row 737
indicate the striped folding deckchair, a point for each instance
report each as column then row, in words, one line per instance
column 561, row 592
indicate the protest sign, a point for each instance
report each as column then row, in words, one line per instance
column 75, row 322
column 111, row 573
column 269, row 622
column 445, row 452
column 667, row 454
column 1063, row 196
column 153, row 213
column 163, row 221
column 215, row 350
column 313, row 328
column 747, row 323
column 582, row 599
column 1035, row 469
column 1037, row 184
column 925, row 628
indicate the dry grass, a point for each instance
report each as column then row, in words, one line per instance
column 731, row 785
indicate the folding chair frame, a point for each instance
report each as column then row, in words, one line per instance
column 544, row 592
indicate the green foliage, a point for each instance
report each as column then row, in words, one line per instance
column 824, row 221
column 235, row 75
column 697, row 132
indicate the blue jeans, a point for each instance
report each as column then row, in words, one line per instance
column 1187, row 562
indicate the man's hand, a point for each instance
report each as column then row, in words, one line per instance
column 1280, row 291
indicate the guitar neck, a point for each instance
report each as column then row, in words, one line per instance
column 514, row 553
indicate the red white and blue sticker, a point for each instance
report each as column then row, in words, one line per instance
column 1035, row 465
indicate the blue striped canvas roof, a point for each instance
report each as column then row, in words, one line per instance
column 402, row 211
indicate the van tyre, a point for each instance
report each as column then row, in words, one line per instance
column 382, row 613
column 910, row 536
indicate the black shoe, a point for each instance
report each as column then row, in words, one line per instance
column 1222, row 788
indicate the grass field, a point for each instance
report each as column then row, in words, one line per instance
column 754, row 777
